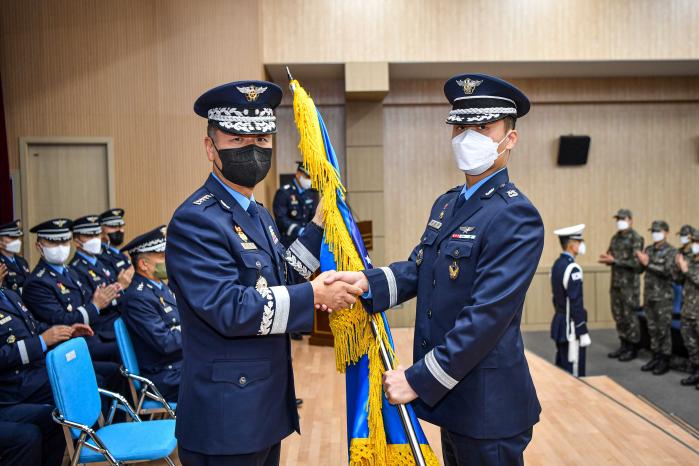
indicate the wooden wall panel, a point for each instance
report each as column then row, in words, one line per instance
column 129, row 70
column 338, row 31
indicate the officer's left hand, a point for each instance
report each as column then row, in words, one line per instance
column 396, row 386
column 318, row 217
column 642, row 258
column 82, row 330
column 125, row 277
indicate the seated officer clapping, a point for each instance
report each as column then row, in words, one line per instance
column 150, row 312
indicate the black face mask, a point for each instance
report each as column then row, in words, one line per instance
column 245, row 166
column 116, row 238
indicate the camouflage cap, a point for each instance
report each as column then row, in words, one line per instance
column 658, row 225
column 686, row 230
column 623, row 213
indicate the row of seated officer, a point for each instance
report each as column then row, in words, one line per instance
column 58, row 301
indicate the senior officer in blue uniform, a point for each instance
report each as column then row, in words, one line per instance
column 10, row 260
column 94, row 273
column 28, row 434
column 149, row 309
column 56, row 295
column 112, row 223
column 294, row 205
column 470, row 273
column 569, row 324
column 239, row 291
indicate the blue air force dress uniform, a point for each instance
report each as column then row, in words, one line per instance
column 569, row 324
column 470, row 273
column 239, row 292
column 27, row 432
column 113, row 257
column 93, row 273
column 17, row 266
column 150, row 312
column 56, row 295
column 294, row 207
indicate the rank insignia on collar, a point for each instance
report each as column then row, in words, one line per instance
column 469, row 85
column 490, row 191
column 512, row 193
column 241, row 233
column 11, row 339
column 436, row 224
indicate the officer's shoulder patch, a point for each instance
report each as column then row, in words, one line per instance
column 576, row 275
column 204, row 200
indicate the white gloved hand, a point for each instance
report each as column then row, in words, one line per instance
column 585, row 340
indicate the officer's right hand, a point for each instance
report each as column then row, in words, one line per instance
column 104, row 295
column 335, row 296
column 606, row 259
column 3, row 272
column 57, row 334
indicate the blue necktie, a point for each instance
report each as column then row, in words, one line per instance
column 460, row 201
column 254, row 213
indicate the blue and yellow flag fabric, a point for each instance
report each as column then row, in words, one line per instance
column 375, row 432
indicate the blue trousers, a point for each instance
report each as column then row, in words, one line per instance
column 562, row 359
column 268, row 457
column 459, row 450
column 29, row 437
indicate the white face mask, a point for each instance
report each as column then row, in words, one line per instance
column 622, row 225
column 57, row 255
column 93, row 246
column 475, row 152
column 305, row 182
column 695, row 248
column 657, row 236
column 581, row 249
column 684, row 240
column 14, row 246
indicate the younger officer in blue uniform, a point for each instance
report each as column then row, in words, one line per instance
column 112, row 223
column 236, row 294
column 295, row 205
column 93, row 273
column 150, row 312
column 56, row 295
column 25, row 393
column 569, row 324
column 470, row 273
column 10, row 247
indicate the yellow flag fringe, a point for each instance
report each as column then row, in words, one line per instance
column 351, row 327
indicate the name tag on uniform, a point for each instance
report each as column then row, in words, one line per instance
column 5, row 320
column 168, row 309
column 248, row 246
column 435, row 224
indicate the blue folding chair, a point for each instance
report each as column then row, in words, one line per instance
column 146, row 396
column 78, row 405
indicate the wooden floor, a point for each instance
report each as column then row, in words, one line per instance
column 579, row 425
column 584, row 422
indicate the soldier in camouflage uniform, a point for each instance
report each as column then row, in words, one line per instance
column 658, row 261
column 689, row 268
column 685, row 250
column 625, row 287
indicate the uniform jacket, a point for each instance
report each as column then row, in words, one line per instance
column 293, row 210
column 17, row 272
column 114, row 259
column 470, row 273
column 690, row 291
column 657, row 284
column 92, row 277
column 626, row 270
column 237, row 301
column 574, row 293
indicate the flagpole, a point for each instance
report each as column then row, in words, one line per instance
column 402, row 410
column 388, row 365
